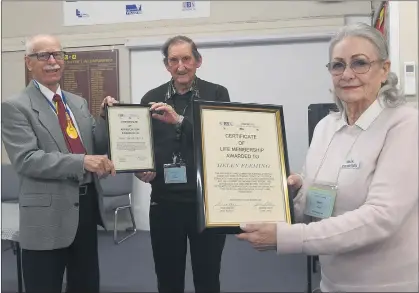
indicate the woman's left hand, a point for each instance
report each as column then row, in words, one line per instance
column 261, row 236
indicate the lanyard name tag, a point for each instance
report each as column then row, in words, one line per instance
column 175, row 173
column 320, row 200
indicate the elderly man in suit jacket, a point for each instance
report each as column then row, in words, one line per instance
column 58, row 149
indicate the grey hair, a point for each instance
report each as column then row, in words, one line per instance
column 392, row 96
column 30, row 42
column 176, row 40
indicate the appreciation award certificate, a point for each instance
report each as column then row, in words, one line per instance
column 130, row 138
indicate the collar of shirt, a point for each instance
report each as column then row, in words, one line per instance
column 48, row 93
column 171, row 89
column 367, row 118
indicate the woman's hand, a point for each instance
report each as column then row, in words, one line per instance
column 295, row 181
column 261, row 236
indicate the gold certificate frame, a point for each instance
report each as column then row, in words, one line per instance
column 242, row 165
column 130, row 142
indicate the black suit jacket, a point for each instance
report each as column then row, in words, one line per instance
column 166, row 143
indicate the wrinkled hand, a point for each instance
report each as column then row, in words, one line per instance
column 168, row 114
column 260, row 236
column 107, row 101
column 146, row 176
column 100, row 165
column 295, row 181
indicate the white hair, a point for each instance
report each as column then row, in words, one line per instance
column 31, row 41
column 392, row 96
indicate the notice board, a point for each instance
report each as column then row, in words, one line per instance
column 92, row 75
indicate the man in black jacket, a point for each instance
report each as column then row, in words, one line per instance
column 173, row 211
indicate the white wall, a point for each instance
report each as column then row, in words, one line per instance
column 228, row 18
column 403, row 21
column 409, row 39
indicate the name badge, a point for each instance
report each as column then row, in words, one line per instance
column 350, row 164
column 320, row 200
column 174, row 173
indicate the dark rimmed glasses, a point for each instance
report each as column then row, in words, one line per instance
column 44, row 56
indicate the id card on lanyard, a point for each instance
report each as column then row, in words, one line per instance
column 321, row 196
column 175, row 172
column 320, row 200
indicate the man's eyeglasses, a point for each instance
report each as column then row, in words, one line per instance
column 44, row 56
column 359, row 66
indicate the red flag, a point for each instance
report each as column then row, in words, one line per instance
column 380, row 22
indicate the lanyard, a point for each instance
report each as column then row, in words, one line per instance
column 50, row 103
column 186, row 107
column 327, row 149
column 177, row 154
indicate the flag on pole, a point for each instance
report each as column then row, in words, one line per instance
column 381, row 18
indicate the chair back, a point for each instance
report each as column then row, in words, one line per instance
column 120, row 184
column 10, row 183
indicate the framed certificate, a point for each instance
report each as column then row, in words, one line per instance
column 242, row 165
column 130, row 142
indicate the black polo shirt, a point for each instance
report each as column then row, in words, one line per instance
column 167, row 141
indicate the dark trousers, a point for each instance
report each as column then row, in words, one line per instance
column 171, row 224
column 43, row 270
